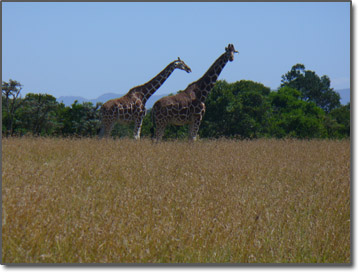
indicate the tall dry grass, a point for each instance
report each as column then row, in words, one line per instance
column 121, row 201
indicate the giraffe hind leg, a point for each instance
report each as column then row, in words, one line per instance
column 106, row 130
column 159, row 133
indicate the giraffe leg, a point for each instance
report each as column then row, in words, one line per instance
column 137, row 127
column 106, row 129
column 159, row 133
column 194, row 128
column 101, row 133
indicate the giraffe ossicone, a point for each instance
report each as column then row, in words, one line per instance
column 188, row 106
column 131, row 107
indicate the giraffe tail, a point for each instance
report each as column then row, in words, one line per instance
column 101, row 129
column 153, row 123
column 100, row 132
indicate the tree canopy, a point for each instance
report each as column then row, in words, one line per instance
column 313, row 88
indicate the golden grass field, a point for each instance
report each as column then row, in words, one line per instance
column 212, row 201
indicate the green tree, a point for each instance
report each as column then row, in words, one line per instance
column 337, row 122
column 79, row 119
column 11, row 101
column 312, row 87
column 293, row 117
column 239, row 109
column 38, row 114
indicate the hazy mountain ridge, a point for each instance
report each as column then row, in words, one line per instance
column 345, row 95
column 69, row 100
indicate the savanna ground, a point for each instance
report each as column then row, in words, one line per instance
column 213, row 201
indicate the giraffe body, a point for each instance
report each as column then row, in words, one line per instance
column 123, row 110
column 183, row 108
column 131, row 107
column 188, row 106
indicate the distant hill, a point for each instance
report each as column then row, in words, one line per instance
column 69, row 100
column 345, row 95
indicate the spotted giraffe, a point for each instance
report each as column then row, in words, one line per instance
column 131, row 107
column 188, row 106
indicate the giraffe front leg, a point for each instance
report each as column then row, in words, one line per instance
column 194, row 129
column 137, row 127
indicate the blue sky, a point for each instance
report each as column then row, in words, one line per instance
column 87, row 49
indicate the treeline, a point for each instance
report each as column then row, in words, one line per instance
column 303, row 107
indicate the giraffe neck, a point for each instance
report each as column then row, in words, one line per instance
column 207, row 81
column 146, row 90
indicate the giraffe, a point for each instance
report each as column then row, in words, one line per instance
column 188, row 106
column 131, row 107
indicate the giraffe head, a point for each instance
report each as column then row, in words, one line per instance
column 230, row 50
column 181, row 65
